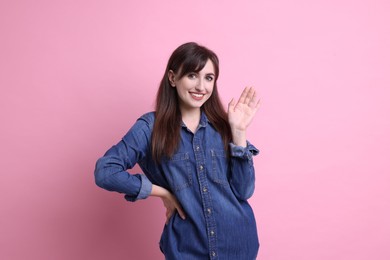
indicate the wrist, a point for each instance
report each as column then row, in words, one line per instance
column 239, row 137
column 158, row 191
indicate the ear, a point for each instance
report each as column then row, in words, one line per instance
column 171, row 77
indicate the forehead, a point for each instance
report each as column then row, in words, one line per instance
column 208, row 68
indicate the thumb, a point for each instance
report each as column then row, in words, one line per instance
column 231, row 106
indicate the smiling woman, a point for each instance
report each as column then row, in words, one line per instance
column 195, row 88
column 196, row 158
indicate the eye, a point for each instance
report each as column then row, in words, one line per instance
column 209, row 78
column 191, row 75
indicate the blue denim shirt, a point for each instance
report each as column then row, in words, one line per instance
column 211, row 186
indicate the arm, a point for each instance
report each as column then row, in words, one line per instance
column 240, row 116
column 111, row 174
column 110, row 170
column 242, row 179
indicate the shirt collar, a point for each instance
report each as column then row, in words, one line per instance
column 202, row 122
column 203, row 119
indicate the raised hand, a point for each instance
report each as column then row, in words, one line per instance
column 241, row 114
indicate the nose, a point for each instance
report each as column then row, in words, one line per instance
column 200, row 86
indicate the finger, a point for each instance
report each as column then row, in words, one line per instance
column 258, row 104
column 253, row 101
column 257, row 101
column 249, row 96
column 231, row 105
column 243, row 95
column 181, row 212
column 168, row 215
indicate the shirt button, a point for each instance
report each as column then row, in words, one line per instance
column 213, row 254
column 201, row 167
column 212, row 233
column 197, row 148
column 204, row 189
column 209, row 210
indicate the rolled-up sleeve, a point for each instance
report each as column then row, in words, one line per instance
column 145, row 190
column 242, row 178
column 111, row 169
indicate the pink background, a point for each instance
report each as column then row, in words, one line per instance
column 75, row 75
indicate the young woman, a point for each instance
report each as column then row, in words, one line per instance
column 196, row 158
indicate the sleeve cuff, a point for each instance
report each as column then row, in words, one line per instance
column 144, row 192
column 243, row 152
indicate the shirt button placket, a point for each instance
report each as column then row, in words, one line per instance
column 205, row 194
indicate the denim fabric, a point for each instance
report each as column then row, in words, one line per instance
column 211, row 186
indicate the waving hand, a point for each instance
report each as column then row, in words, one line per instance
column 241, row 114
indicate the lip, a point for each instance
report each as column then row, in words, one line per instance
column 197, row 96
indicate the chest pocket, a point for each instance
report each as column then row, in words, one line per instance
column 178, row 171
column 220, row 166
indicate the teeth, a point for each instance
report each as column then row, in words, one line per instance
column 197, row 95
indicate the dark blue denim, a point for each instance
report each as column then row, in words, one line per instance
column 211, row 186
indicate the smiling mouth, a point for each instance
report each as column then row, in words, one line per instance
column 197, row 96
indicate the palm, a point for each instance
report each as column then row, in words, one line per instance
column 241, row 114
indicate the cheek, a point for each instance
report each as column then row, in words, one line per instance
column 186, row 85
column 210, row 87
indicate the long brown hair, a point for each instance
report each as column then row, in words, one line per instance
column 189, row 57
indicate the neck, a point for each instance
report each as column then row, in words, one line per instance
column 191, row 118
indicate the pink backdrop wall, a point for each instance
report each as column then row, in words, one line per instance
column 75, row 75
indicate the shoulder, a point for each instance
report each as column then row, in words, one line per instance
column 144, row 123
column 147, row 119
column 142, row 127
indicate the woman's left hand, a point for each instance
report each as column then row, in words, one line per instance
column 241, row 114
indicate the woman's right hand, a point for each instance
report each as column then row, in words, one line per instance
column 171, row 204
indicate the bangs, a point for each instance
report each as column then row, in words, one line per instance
column 191, row 57
column 194, row 63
